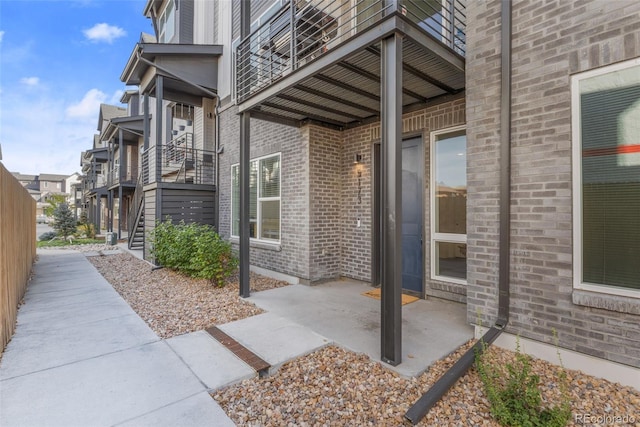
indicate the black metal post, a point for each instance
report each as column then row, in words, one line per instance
column 391, row 150
column 159, row 128
column 245, row 136
column 120, row 204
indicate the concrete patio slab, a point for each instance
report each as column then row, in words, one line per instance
column 275, row 339
column 431, row 328
column 209, row 360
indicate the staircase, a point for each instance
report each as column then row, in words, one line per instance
column 136, row 218
column 136, row 239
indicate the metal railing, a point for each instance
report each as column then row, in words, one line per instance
column 303, row 30
column 134, row 209
column 178, row 161
column 129, row 175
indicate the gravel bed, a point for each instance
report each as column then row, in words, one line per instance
column 92, row 247
column 336, row 387
column 173, row 304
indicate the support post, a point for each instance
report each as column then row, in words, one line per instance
column 245, row 136
column 120, row 179
column 391, row 221
column 159, row 129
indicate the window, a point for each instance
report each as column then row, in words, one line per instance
column 606, row 181
column 167, row 23
column 449, row 205
column 264, row 198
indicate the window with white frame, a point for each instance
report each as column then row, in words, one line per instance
column 606, row 179
column 264, row 198
column 167, row 23
column 449, row 205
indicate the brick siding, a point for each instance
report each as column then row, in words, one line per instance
column 551, row 41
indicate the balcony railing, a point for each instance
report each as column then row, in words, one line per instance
column 129, row 176
column 303, row 30
column 178, row 161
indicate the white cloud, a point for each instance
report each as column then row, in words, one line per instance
column 30, row 81
column 104, row 33
column 116, row 97
column 1, row 36
column 42, row 132
column 88, row 107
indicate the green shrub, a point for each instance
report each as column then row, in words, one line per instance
column 195, row 250
column 48, row 235
column 515, row 397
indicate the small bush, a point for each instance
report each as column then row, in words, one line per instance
column 63, row 221
column 195, row 250
column 48, row 236
column 515, row 397
column 87, row 230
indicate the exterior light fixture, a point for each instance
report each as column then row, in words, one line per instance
column 357, row 158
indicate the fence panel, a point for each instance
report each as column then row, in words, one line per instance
column 17, row 249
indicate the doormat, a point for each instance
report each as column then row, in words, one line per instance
column 375, row 293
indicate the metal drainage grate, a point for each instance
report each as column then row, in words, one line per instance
column 246, row 355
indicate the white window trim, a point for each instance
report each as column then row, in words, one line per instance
column 577, row 182
column 440, row 237
column 162, row 22
column 260, row 199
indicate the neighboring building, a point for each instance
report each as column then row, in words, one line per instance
column 374, row 142
column 179, row 72
column 95, row 170
column 42, row 187
column 71, row 185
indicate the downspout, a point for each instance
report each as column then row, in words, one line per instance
column 216, row 137
column 449, row 378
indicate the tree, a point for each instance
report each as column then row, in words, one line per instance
column 63, row 221
column 54, row 201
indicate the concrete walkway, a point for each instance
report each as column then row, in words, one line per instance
column 82, row 357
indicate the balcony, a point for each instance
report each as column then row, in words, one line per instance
column 320, row 59
column 126, row 177
column 178, row 161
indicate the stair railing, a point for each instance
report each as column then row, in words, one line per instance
column 135, row 210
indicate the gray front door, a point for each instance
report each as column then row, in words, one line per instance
column 412, row 190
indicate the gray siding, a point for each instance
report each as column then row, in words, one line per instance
column 258, row 7
column 184, row 18
column 572, row 38
column 149, row 219
column 189, row 206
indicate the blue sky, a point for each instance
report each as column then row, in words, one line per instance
column 59, row 59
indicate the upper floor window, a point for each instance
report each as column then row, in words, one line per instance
column 167, row 23
column 606, row 180
column 264, row 198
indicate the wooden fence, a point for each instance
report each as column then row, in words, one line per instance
column 17, row 249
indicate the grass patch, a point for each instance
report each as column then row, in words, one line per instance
column 59, row 242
